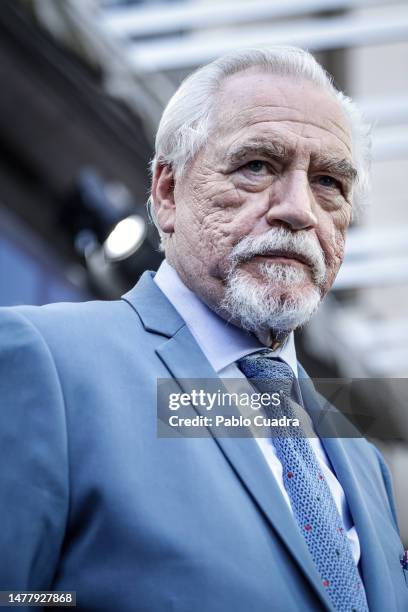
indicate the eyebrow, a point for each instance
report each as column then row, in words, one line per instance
column 274, row 150
column 280, row 152
column 340, row 167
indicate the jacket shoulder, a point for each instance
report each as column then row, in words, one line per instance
column 33, row 455
column 67, row 322
column 75, row 313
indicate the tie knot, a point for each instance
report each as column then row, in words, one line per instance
column 269, row 372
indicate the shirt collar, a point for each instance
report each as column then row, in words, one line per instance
column 221, row 342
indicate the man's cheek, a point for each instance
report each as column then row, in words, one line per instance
column 216, row 227
column 219, row 245
column 334, row 258
column 222, row 194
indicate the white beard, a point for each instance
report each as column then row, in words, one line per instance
column 286, row 298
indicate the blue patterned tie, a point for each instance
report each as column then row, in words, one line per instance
column 312, row 503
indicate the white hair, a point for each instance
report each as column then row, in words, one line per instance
column 276, row 304
column 187, row 120
column 255, row 306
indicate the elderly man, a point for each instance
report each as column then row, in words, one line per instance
column 258, row 163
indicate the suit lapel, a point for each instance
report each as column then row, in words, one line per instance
column 184, row 359
column 345, row 457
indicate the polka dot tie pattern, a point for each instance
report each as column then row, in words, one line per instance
column 312, row 502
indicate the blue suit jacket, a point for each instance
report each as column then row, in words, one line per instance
column 92, row 501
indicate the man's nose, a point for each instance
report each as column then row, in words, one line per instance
column 292, row 202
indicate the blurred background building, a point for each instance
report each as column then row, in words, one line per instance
column 83, row 85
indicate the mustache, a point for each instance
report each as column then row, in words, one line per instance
column 280, row 241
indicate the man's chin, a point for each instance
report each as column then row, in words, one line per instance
column 282, row 290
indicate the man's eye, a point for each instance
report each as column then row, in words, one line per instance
column 328, row 181
column 256, row 166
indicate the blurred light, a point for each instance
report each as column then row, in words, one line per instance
column 126, row 238
column 115, row 243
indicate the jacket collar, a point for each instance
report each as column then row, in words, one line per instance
column 154, row 309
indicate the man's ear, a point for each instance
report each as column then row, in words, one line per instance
column 163, row 197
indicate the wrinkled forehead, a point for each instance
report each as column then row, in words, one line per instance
column 253, row 99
